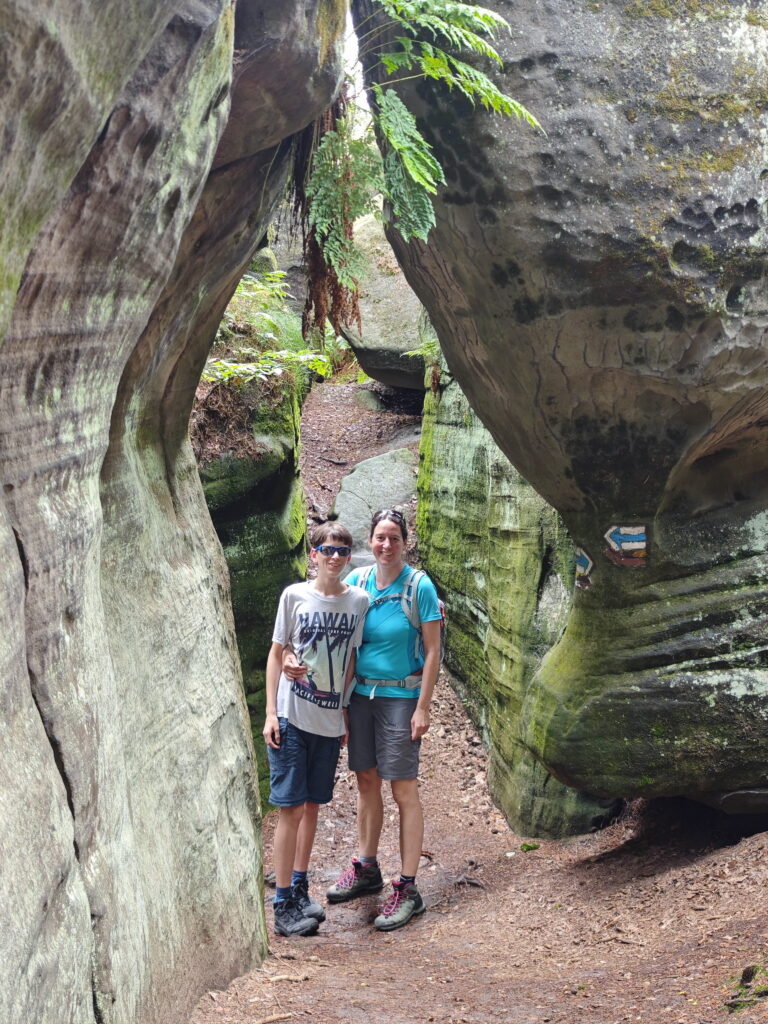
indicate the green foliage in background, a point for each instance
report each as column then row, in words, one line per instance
column 259, row 337
column 265, row 365
column 258, row 316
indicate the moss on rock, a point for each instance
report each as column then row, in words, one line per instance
column 505, row 562
column 330, row 26
column 257, row 506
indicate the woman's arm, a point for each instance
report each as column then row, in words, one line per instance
column 430, row 632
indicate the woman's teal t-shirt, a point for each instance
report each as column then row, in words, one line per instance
column 389, row 640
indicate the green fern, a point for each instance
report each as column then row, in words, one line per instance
column 345, row 180
column 461, row 27
column 411, row 203
column 414, row 175
column 347, row 170
column 398, row 125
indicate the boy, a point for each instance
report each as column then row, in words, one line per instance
column 322, row 622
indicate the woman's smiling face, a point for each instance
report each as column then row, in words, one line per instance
column 387, row 543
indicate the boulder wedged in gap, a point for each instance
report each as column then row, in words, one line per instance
column 387, row 343
column 385, row 481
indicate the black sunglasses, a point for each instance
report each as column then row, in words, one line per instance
column 334, row 549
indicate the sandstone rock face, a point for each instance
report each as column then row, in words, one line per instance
column 390, row 315
column 381, row 482
column 504, row 561
column 599, row 292
column 130, row 816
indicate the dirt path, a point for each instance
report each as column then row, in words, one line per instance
column 653, row 920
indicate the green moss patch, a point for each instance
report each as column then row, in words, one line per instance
column 751, row 989
column 677, row 9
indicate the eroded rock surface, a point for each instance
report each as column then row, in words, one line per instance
column 387, row 343
column 131, row 204
column 599, row 292
column 504, row 561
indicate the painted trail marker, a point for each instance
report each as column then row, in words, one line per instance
column 627, row 546
column 584, row 566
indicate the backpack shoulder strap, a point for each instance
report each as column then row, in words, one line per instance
column 364, row 576
column 408, row 599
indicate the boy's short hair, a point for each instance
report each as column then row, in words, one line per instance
column 332, row 530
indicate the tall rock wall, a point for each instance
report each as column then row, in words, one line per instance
column 504, row 560
column 599, row 291
column 143, row 152
column 257, row 505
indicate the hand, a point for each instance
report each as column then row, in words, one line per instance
column 419, row 722
column 345, row 737
column 271, row 732
column 292, row 668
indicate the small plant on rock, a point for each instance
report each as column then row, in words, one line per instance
column 752, row 988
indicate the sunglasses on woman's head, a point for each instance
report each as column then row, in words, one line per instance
column 390, row 513
column 334, row 549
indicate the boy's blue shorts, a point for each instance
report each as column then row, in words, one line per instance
column 303, row 767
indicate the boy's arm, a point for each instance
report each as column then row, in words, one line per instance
column 348, row 682
column 292, row 667
column 271, row 730
column 348, row 687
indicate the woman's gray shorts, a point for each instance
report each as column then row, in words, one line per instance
column 380, row 736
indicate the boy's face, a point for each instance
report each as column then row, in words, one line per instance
column 329, row 561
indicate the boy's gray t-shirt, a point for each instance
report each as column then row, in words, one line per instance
column 322, row 632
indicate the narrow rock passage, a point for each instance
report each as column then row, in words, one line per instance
column 338, row 431
column 613, row 927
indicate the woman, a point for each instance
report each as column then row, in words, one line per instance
column 388, row 715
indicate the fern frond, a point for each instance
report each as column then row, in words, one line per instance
column 398, row 126
column 446, row 17
column 411, row 203
column 478, row 87
column 459, row 26
column 346, row 176
column 348, row 173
